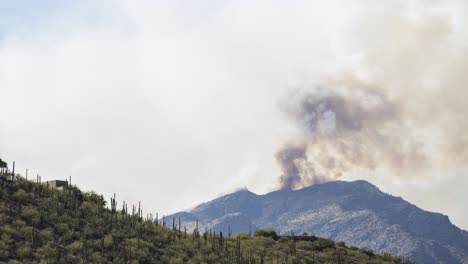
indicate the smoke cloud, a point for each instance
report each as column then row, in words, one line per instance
column 398, row 109
column 289, row 158
column 349, row 125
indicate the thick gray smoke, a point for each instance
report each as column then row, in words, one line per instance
column 297, row 170
column 289, row 158
column 345, row 126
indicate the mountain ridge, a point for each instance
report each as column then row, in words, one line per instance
column 357, row 213
column 43, row 222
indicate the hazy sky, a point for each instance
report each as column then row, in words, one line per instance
column 173, row 102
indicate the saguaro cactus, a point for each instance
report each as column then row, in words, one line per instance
column 3, row 166
column 113, row 210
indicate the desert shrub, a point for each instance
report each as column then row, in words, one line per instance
column 266, row 233
column 322, row 244
column 24, row 251
column 368, row 252
column 242, row 235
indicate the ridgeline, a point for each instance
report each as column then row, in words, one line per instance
column 45, row 222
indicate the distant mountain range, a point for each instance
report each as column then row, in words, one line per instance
column 357, row 213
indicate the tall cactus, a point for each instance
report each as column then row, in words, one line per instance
column 3, row 167
column 113, row 211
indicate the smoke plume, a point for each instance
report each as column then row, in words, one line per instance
column 289, row 158
column 398, row 108
column 345, row 126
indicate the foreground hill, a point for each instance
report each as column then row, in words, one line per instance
column 357, row 213
column 41, row 224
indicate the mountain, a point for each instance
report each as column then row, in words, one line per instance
column 357, row 213
column 53, row 222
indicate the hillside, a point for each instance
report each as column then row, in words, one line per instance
column 357, row 213
column 43, row 224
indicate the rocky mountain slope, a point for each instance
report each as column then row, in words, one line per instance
column 357, row 213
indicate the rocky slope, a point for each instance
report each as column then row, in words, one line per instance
column 357, row 213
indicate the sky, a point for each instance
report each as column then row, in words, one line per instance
column 173, row 103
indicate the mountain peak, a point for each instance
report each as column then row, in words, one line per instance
column 355, row 212
column 348, row 184
column 243, row 191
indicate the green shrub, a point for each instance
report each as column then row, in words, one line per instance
column 242, row 235
column 322, row 244
column 266, row 233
